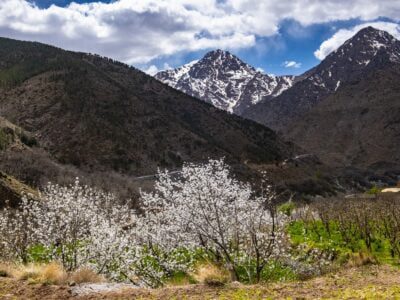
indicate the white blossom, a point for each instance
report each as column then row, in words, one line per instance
column 206, row 208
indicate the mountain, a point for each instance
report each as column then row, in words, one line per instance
column 346, row 109
column 93, row 112
column 112, row 125
column 323, row 110
column 223, row 80
column 359, row 125
column 12, row 191
column 369, row 50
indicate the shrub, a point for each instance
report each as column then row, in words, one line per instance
column 74, row 225
column 361, row 259
column 28, row 140
column 203, row 213
column 354, row 231
column 5, row 139
column 5, row 270
column 287, row 208
column 180, row 278
column 211, row 274
column 53, row 273
column 86, row 275
column 373, row 191
column 3, row 273
column 27, row 272
column 206, row 208
column 215, row 280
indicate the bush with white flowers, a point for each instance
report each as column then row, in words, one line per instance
column 206, row 208
column 204, row 211
column 75, row 225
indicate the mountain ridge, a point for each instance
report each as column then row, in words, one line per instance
column 370, row 52
column 108, row 123
column 360, row 54
column 222, row 79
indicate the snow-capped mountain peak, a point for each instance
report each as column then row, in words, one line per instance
column 172, row 76
column 370, row 50
column 363, row 46
column 365, row 50
column 222, row 79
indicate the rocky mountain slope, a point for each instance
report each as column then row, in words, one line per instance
column 96, row 113
column 369, row 50
column 325, row 109
column 337, row 110
column 222, row 79
column 359, row 125
column 346, row 109
column 110, row 124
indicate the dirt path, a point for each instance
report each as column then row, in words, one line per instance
column 370, row 282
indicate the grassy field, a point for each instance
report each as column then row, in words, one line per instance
column 366, row 282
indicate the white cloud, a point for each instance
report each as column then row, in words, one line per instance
column 167, row 66
column 291, row 64
column 152, row 70
column 136, row 32
column 342, row 35
column 261, row 70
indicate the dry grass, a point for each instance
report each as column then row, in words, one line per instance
column 5, row 269
column 211, row 275
column 366, row 282
column 52, row 273
column 86, row 275
column 361, row 259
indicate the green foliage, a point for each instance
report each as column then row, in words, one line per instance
column 243, row 294
column 44, row 254
column 153, row 262
column 373, row 191
column 39, row 254
column 180, row 278
column 276, row 271
column 369, row 292
column 16, row 74
column 314, row 234
column 287, row 208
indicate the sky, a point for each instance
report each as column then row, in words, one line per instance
column 276, row 37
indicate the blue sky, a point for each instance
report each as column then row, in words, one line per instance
column 285, row 37
column 47, row 3
column 293, row 43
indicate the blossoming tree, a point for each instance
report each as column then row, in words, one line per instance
column 202, row 210
column 206, row 208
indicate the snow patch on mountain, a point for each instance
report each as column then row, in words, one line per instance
column 222, row 79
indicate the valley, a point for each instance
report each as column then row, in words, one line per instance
column 211, row 180
column 364, row 68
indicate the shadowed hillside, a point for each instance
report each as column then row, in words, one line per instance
column 359, row 125
column 99, row 114
column 345, row 110
column 100, row 119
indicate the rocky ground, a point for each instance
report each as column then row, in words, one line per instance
column 367, row 282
